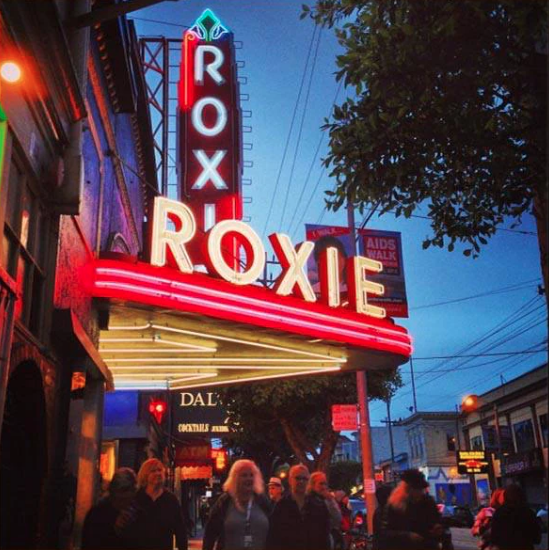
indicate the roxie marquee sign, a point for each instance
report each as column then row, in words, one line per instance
column 174, row 228
column 210, row 155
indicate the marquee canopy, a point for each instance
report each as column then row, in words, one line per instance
column 173, row 330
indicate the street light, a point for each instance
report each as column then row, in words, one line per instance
column 10, row 72
column 469, row 403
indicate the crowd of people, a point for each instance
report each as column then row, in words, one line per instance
column 139, row 513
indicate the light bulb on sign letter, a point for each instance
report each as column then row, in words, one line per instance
column 210, row 68
column 254, row 248
column 164, row 238
column 359, row 286
column 197, row 116
column 329, row 277
column 209, row 171
column 293, row 262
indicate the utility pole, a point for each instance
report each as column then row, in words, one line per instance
column 390, row 424
column 364, row 415
column 413, row 384
column 458, row 439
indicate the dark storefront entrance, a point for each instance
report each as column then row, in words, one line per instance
column 23, row 461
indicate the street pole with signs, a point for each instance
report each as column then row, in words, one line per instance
column 364, row 417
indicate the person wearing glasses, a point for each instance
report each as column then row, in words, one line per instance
column 240, row 517
column 300, row 521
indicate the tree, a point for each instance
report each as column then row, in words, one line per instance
column 345, row 475
column 450, row 112
column 278, row 419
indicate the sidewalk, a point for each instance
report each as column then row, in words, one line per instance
column 461, row 538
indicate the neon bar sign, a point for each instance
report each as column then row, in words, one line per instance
column 210, row 126
column 174, row 228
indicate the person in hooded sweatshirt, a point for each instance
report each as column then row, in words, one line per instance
column 514, row 525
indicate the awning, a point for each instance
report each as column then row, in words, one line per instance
column 171, row 330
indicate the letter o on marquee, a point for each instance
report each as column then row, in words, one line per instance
column 196, row 116
column 218, row 263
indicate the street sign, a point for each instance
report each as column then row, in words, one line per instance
column 369, row 486
column 472, row 462
column 344, row 417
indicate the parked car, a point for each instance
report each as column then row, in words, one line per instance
column 456, row 516
column 358, row 515
column 542, row 518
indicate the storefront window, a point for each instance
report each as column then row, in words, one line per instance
column 25, row 234
column 524, row 435
column 543, row 428
column 476, row 443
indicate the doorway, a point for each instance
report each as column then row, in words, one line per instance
column 23, row 458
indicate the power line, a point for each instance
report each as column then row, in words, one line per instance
column 473, row 355
column 469, row 388
column 511, row 288
column 317, row 185
column 301, row 124
column 511, row 320
column 287, row 144
column 158, row 22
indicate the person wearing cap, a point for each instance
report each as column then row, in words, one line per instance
column 411, row 520
column 275, row 489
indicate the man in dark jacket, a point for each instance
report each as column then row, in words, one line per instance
column 299, row 521
column 514, row 525
column 410, row 520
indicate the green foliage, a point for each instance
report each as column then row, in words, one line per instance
column 448, row 111
column 345, row 475
column 291, row 419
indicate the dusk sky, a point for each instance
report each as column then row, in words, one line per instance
column 458, row 306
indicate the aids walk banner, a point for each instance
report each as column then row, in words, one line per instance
column 382, row 246
column 386, row 247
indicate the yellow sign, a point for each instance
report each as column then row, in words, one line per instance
column 472, row 462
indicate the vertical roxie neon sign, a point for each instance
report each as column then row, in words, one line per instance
column 210, row 127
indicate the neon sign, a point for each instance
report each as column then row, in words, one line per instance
column 169, row 243
column 210, row 128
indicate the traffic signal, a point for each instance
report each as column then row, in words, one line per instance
column 158, row 408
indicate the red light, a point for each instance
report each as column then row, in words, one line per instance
column 220, row 457
column 158, row 408
column 166, row 287
column 359, row 519
column 186, row 83
column 10, row 72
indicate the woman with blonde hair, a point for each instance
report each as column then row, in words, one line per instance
column 240, row 517
column 154, row 517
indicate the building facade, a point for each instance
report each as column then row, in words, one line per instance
column 432, row 444
column 517, row 440
column 387, row 464
column 76, row 180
